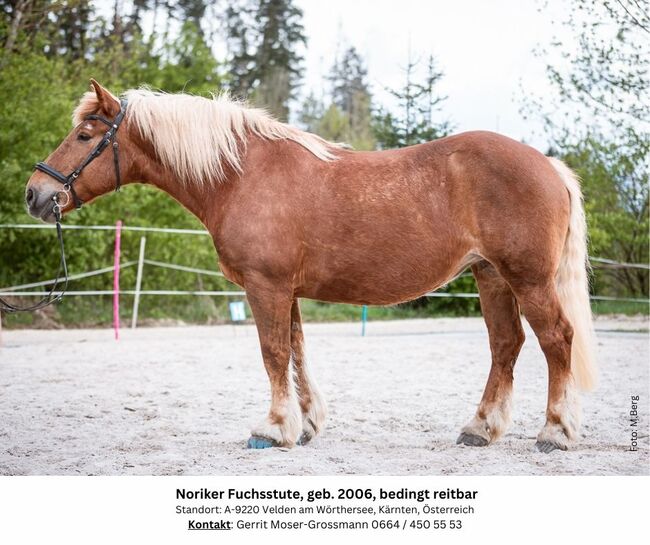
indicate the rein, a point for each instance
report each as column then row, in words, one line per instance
column 51, row 296
column 68, row 187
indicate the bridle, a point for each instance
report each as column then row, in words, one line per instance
column 68, row 187
column 108, row 138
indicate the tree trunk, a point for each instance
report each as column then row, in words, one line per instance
column 17, row 17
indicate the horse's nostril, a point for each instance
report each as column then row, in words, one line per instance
column 29, row 196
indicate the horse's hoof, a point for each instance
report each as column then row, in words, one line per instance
column 471, row 440
column 549, row 446
column 256, row 442
column 304, row 439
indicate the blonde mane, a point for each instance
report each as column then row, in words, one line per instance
column 197, row 138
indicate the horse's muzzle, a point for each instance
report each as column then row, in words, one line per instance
column 40, row 203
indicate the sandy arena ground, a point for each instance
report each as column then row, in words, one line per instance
column 170, row 401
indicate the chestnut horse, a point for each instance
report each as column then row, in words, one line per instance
column 292, row 216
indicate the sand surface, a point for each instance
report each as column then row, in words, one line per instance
column 170, row 401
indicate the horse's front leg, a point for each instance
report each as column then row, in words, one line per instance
column 314, row 410
column 271, row 308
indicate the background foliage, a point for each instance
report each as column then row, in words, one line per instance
column 49, row 49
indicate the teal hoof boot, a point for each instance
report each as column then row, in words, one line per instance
column 260, row 442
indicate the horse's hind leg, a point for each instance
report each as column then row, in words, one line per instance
column 272, row 311
column 542, row 309
column 311, row 402
column 501, row 313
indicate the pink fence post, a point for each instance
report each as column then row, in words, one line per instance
column 116, row 280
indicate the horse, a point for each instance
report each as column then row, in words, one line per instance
column 294, row 216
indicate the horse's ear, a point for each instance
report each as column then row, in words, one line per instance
column 108, row 103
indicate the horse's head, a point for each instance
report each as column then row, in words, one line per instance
column 90, row 162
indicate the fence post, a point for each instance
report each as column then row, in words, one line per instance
column 138, row 284
column 364, row 319
column 116, row 280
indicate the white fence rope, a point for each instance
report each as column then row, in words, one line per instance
column 105, row 228
column 129, row 292
column 228, row 293
column 181, row 268
column 71, row 277
column 618, row 265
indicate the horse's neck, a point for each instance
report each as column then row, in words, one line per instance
column 205, row 200
column 191, row 195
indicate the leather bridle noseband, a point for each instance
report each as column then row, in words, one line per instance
column 68, row 186
column 108, row 138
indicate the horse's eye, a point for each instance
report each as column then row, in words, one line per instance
column 83, row 137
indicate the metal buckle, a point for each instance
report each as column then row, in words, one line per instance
column 66, row 192
column 56, row 210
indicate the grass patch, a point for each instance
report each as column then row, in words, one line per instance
column 315, row 311
column 627, row 308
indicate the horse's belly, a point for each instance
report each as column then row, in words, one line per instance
column 387, row 283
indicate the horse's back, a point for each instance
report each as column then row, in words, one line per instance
column 478, row 180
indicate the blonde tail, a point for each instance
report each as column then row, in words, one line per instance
column 573, row 284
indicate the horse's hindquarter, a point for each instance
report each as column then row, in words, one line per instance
column 519, row 204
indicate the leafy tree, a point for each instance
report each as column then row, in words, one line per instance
column 279, row 64
column 598, row 121
column 240, row 39
column 615, row 184
column 334, row 125
column 351, row 96
column 311, row 113
column 348, row 78
column 419, row 102
column 348, row 117
column 189, row 62
column 385, row 126
column 56, row 29
column 600, row 74
column 264, row 37
column 192, row 11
